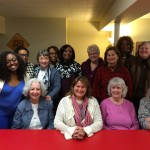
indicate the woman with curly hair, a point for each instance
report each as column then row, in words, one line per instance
column 12, row 81
column 125, row 46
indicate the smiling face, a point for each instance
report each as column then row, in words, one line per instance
column 12, row 62
column 44, row 61
column 53, row 55
column 112, row 58
column 93, row 56
column 24, row 55
column 35, row 92
column 144, row 51
column 67, row 54
column 116, row 91
column 80, row 90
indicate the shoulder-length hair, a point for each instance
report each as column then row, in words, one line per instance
column 5, row 73
column 117, row 81
column 27, row 87
column 114, row 48
column 62, row 49
column 141, row 44
column 85, row 82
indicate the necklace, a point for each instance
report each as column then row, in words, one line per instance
column 112, row 68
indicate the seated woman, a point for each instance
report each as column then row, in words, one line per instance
column 78, row 114
column 144, row 111
column 34, row 112
column 117, row 112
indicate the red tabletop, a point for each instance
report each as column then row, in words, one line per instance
column 54, row 140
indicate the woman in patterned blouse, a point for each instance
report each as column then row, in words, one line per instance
column 69, row 69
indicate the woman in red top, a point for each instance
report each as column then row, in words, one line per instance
column 112, row 68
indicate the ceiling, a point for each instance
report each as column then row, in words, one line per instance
column 100, row 11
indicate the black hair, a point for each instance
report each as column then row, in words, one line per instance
column 5, row 73
column 62, row 49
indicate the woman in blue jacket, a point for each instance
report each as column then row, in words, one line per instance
column 34, row 112
column 49, row 75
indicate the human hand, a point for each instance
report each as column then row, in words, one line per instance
column 48, row 98
column 148, row 122
column 79, row 133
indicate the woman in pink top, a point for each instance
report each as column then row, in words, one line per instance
column 117, row 112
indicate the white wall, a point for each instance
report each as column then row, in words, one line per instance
column 40, row 33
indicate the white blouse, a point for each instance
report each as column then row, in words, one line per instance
column 35, row 121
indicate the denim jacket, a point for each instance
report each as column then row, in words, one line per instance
column 24, row 113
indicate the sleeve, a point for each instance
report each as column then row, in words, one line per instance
column 104, row 113
column 59, row 122
column 79, row 71
column 96, row 84
column 18, row 117
column 135, row 124
column 143, row 113
column 97, row 121
column 51, row 115
column 56, row 84
column 128, row 82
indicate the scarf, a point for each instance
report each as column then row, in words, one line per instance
column 78, row 114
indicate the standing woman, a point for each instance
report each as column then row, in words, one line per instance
column 78, row 114
column 112, row 68
column 68, row 68
column 49, row 75
column 54, row 54
column 90, row 66
column 12, row 81
column 139, row 67
column 125, row 46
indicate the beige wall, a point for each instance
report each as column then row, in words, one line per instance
column 40, row 33
column 82, row 34
column 140, row 30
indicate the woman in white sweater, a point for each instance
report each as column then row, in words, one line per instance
column 78, row 114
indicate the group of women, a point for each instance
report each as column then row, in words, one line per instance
column 78, row 100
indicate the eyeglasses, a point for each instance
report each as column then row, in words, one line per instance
column 90, row 54
column 23, row 55
column 11, row 60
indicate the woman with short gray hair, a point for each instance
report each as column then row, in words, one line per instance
column 117, row 112
column 34, row 112
column 89, row 67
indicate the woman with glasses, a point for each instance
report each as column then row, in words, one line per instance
column 24, row 54
column 54, row 54
column 90, row 66
column 12, row 81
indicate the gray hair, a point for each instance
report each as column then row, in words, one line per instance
column 93, row 47
column 27, row 87
column 43, row 52
column 117, row 81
